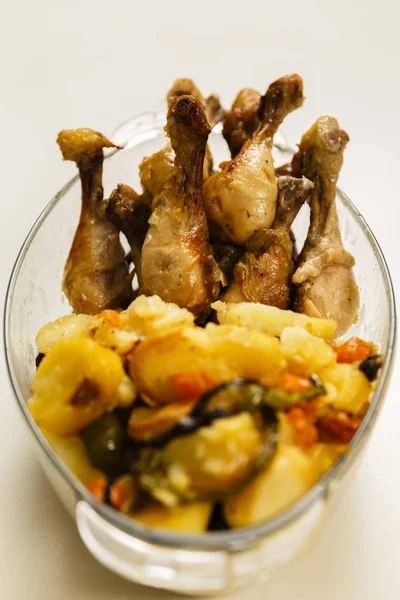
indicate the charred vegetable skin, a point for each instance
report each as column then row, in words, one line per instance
column 105, row 442
column 155, row 473
column 222, row 402
column 371, row 366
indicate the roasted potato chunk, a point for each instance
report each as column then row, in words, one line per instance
column 215, row 459
column 71, row 450
column 225, row 352
column 271, row 320
column 150, row 315
column 64, row 328
column 285, row 480
column 347, row 387
column 75, row 384
column 106, row 330
column 187, row 518
column 305, row 353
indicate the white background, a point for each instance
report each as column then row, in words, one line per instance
column 96, row 63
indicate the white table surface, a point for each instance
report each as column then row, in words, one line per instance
column 96, row 63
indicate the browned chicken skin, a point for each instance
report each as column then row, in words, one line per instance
column 130, row 213
column 264, row 272
column 324, row 280
column 241, row 198
column 177, row 260
column 187, row 87
column 242, row 120
column 226, row 255
column 96, row 274
column 155, row 170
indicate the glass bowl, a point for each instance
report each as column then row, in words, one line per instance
column 191, row 564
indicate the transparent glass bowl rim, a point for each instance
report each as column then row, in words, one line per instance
column 217, row 541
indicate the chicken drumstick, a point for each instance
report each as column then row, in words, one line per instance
column 177, row 260
column 324, row 279
column 264, row 272
column 242, row 197
column 96, row 274
column 155, row 170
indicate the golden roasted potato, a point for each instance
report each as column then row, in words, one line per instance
column 71, row 450
column 75, row 383
column 224, row 352
column 347, row 387
column 146, row 423
column 126, row 392
column 324, row 456
column 64, row 328
column 155, row 359
column 106, row 330
column 253, row 353
column 286, row 432
column 187, row 518
column 305, row 353
column 271, row 320
column 216, row 458
column 289, row 475
column 148, row 315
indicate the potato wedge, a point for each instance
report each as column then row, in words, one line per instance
column 214, row 459
column 285, row 480
column 347, row 387
column 187, row 518
column 158, row 357
column 64, row 328
column 148, row 315
column 224, row 352
column 271, row 320
column 305, row 353
column 71, row 450
column 253, row 353
column 75, row 383
column 324, row 456
column 106, row 330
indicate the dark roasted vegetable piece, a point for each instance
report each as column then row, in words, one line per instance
column 162, row 465
column 180, row 419
column 39, row 359
column 105, row 442
column 371, row 365
column 204, row 465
